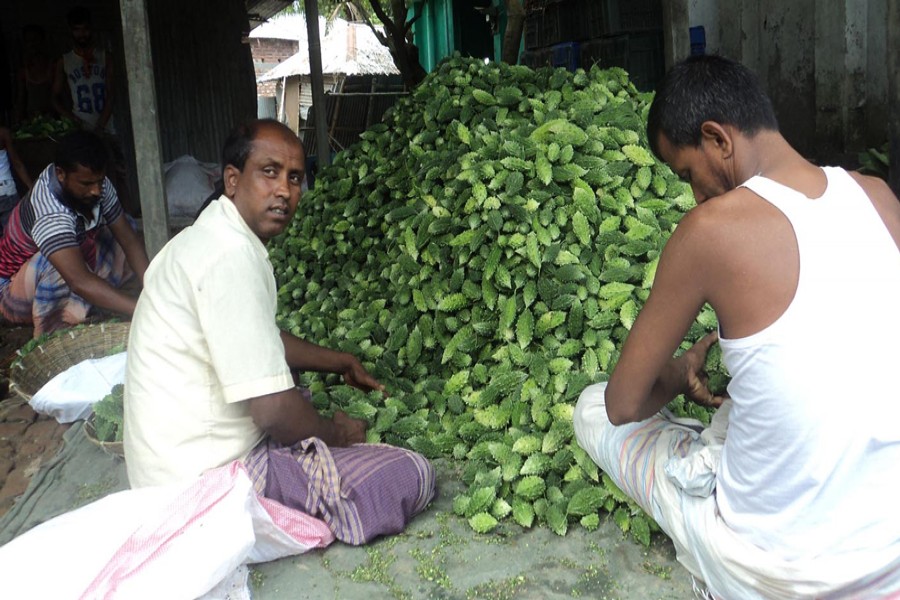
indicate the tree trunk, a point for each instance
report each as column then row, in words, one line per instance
column 512, row 37
column 397, row 37
column 406, row 59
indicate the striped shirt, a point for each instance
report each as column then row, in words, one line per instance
column 43, row 222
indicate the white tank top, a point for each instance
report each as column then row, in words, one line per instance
column 88, row 86
column 5, row 170
column 811, row 463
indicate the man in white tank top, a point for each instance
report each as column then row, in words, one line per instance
column 83, row 86
column 790, row 492
column 83, row 83
column 9, row 161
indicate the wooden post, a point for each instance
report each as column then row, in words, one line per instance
column 144, row 123
column 323, row 145
column 830, row 70
column 676, row 31
column 893, row 53
column 370, row 101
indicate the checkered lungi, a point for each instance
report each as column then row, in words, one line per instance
column 38, row 294
column 668, row 466
column 361, row 492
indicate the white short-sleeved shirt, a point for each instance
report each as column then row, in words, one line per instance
column 203, row 340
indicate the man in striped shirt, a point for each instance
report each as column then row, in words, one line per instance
column 68, row 244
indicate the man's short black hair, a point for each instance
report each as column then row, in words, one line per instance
column 84, row 148
column 240, row 141
column 78, row 15
column 707, row 88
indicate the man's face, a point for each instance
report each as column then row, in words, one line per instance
column 701, row 166
column 267, row 191
column 82, row 187
column 81, row 35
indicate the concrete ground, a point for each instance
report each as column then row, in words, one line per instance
column 438, row 556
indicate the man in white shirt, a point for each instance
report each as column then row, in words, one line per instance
column 209, row 379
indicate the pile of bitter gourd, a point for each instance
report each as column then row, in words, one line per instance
column 485, row 251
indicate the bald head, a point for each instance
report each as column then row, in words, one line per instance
column 240, row 141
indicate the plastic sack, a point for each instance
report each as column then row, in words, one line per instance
column 176, row 541
column 70, row 395
column 188, row 183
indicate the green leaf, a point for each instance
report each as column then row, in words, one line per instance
column 523, row 512
column 591, row 522
column 622, row 519
column 483, row 522
column 640, row 529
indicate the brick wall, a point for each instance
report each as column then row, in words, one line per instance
column 267, row 53
column 266, row 89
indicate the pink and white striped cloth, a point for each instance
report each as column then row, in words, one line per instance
column 178, row 541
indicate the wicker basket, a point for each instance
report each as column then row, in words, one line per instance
column 114, row 448
column 29, row 373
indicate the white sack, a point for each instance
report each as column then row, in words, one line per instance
column 71, row 395
column 176, row 541
column 188, row 183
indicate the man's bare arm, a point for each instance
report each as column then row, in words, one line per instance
column 647, row 376
column 92, row 288
column 885, row 202
column 306, row 356
column 109, row 97
column 14, row 159
column 287, row 417
column 131, row 245
column 60, row 85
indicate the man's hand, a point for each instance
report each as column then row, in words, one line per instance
column 289, row 417
column 347, row 430
column 691, row 366
column 357, row 376
column 305, row 356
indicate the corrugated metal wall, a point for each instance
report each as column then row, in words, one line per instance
column 822, row 63
column 203, row 70
column 204, row 74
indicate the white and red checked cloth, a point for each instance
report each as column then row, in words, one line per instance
column 179, row 541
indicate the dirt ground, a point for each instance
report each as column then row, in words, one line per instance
column 12, row 337
column 27, row 440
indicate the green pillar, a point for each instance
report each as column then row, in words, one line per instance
column 433, row 33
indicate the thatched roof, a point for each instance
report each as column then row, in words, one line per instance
column 347, row 49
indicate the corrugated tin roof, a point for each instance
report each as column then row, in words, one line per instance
column 260, row 10
column 347, row 49
column 286, row 27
